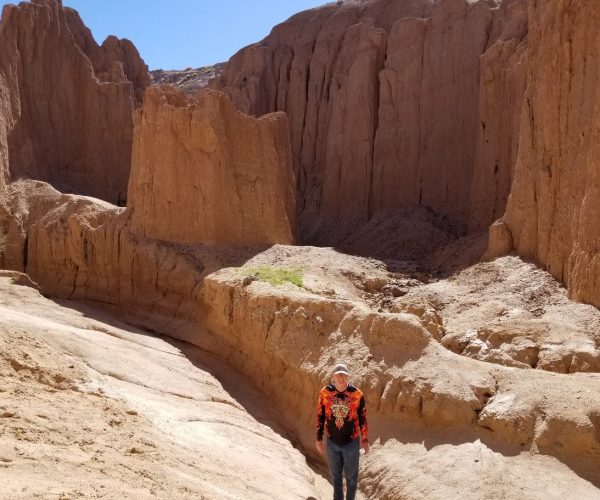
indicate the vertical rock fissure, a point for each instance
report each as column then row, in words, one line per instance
column 418, row 126
column 380, row 64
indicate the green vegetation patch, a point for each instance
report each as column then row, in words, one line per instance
column 274, row 275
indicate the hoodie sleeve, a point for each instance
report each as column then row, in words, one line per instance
column 320, row 423
column 362, row 419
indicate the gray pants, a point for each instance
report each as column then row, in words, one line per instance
column 344, row 458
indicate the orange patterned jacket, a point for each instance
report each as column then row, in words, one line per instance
column 342, row 414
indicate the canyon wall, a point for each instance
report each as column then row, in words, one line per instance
column 554, row 207
column 502, row 84
column 66, row 103
column 204, row 173
column 392, row 105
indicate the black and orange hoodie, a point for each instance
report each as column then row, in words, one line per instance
column 342, row 414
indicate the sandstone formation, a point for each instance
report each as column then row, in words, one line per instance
column 346, row 309
column 554, row 206
column 22, row 204
column 66, row 104
column 205, row 173
column 392, row 105
column 399, row 363
column 116, row 60
column 502, row 83
column 92, row 407
column 393, row 108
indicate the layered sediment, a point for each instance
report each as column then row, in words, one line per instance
column 553, row 208
column 392, row 105
column 66, row 103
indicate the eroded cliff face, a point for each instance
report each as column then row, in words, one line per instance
column 502, row 84
column 116, row 60
column 392, row 105
column 83, row 249
column 205, row 173
column 66, row 104
column 554, row 206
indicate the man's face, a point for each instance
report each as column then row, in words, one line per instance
column 340, row 379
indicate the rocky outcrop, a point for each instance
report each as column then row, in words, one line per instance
column 189, row 80
column 66, row 104
column 83, row 249
column 116, row 60
column 391, row 105
column 204, row 173
column 22, row 204
column 553, row 210
column 210, row 191
column 397, row 362
column 78, row 247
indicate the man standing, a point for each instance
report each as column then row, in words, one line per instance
column 342, row 412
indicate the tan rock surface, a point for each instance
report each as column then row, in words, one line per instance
column 116, row 60
column 421, row 396
column 512, row 418
column 203, row 172
column 502, row 83
column 474, row 379
column 388, row 102
column 526, row 321
column 93, row 407
column 46, row 80
column 552, row 212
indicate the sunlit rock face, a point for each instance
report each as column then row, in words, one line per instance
column 554, row 206
column 392, row 105
column 66, row 103
column 204, row 172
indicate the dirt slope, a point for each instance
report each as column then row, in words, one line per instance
column 93, row 408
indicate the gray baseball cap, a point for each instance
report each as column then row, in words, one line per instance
column 341, row 368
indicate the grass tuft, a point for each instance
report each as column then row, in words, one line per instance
column 274, row 275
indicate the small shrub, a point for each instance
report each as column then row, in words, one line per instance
column 274, row 275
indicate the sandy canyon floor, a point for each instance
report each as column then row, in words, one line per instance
column 92, row 407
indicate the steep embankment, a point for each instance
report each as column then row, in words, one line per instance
column 554, row 206
column 92, row 407
column 392, row 105
column 66, row 103
column 204, row 173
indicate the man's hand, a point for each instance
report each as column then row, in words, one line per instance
column 321, row 447
column 365, row 445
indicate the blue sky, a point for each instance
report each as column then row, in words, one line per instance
column 175, row 34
